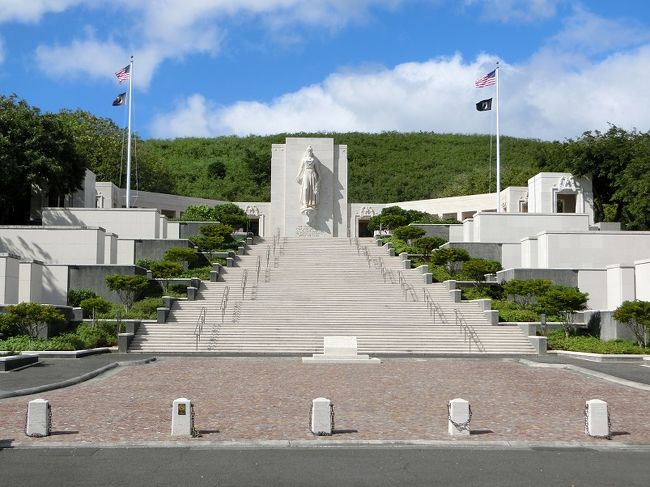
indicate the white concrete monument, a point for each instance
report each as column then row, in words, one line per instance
column 597, row 418
column 460, row 416
column 321, row 417
column 341, row 350
column 38, row 418
column 182, row 421
column 309, row 183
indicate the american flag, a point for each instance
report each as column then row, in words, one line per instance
column 487, row 80
column 123, row 74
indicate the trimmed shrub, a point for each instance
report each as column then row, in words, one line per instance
column 427, row 244
column 144, row 309
column 96, row 305
column 184, row 255
column 475, row 270
column 128, row 288
column 26, row 318
column 526, row 291
column 76, row 296
column 408, row 233
column 450, row 257
column 636, row 316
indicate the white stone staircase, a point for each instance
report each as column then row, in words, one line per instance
column 322, row 287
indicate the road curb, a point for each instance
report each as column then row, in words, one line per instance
column 74, row 380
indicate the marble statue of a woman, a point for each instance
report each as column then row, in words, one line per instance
column 308, row 177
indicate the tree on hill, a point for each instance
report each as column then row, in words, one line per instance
column 37, row 153
column 618, row 164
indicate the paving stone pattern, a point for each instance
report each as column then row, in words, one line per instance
column 269, row 399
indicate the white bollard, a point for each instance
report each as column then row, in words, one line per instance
column 597, row 418
column 321, row 417
column 182, row 420
column 458, row 417
column 38, row 418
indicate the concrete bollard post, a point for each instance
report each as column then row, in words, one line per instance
column 403, row 255
column 161, row 315
column 191, row 293
column 230, row 262
column 459, row 415
column 597, row 419
column 182, row 420
column 321, row 417
column 456, row 295
column 38, row 418
column 406, row 263
column 241, row 250
column 427, row 277
column 249, row 240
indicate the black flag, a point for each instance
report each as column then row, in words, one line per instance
column 121, row 99
column 484, row 105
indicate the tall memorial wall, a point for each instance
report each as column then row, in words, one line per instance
column 309, row 188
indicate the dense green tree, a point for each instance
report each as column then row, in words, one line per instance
column 618, row 164
column 475, row 269
column 27, row 318
column 216, row 170
column 231, row 214
column 102, row 146
column 526, row 291
column 427, row 244
column 409, row 233
column 37, row 153
column 636, row 316
column 451, row 257
column 564, row 301
column 128, row 288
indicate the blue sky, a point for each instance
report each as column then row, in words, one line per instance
column 214, row 67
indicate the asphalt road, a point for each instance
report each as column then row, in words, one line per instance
column 341, row 467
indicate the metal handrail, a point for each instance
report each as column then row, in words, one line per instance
column 468, row 332
column 224, row 302
column 198, row 329
column 244, row 279
column 434, row 308
column 388, row 272
column 268, row 255
column 259, row 266
column 400, row 277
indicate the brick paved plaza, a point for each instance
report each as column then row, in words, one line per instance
column 269, row 399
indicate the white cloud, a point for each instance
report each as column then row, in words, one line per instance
column 33, row 10
column 589, row 33
column 163, row 29
column 538, row 100
column 516, row 10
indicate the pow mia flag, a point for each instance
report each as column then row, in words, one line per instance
column 121, row 99
column 484, row 105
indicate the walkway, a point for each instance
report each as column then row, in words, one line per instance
column 259, row 399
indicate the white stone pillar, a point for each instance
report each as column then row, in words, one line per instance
column 460, row 414
column 182, row 421
column 38, row 418
column 597, row 418
column 321, row 417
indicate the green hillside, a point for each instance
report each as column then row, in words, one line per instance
column 383, row 167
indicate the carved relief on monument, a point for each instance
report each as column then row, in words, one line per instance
column 366, row 211
column 567, row 183
column 252, row 210
column 307, row 231
column 308, row 178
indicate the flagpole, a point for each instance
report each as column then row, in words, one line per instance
column 498, row 148
column 128, row 141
